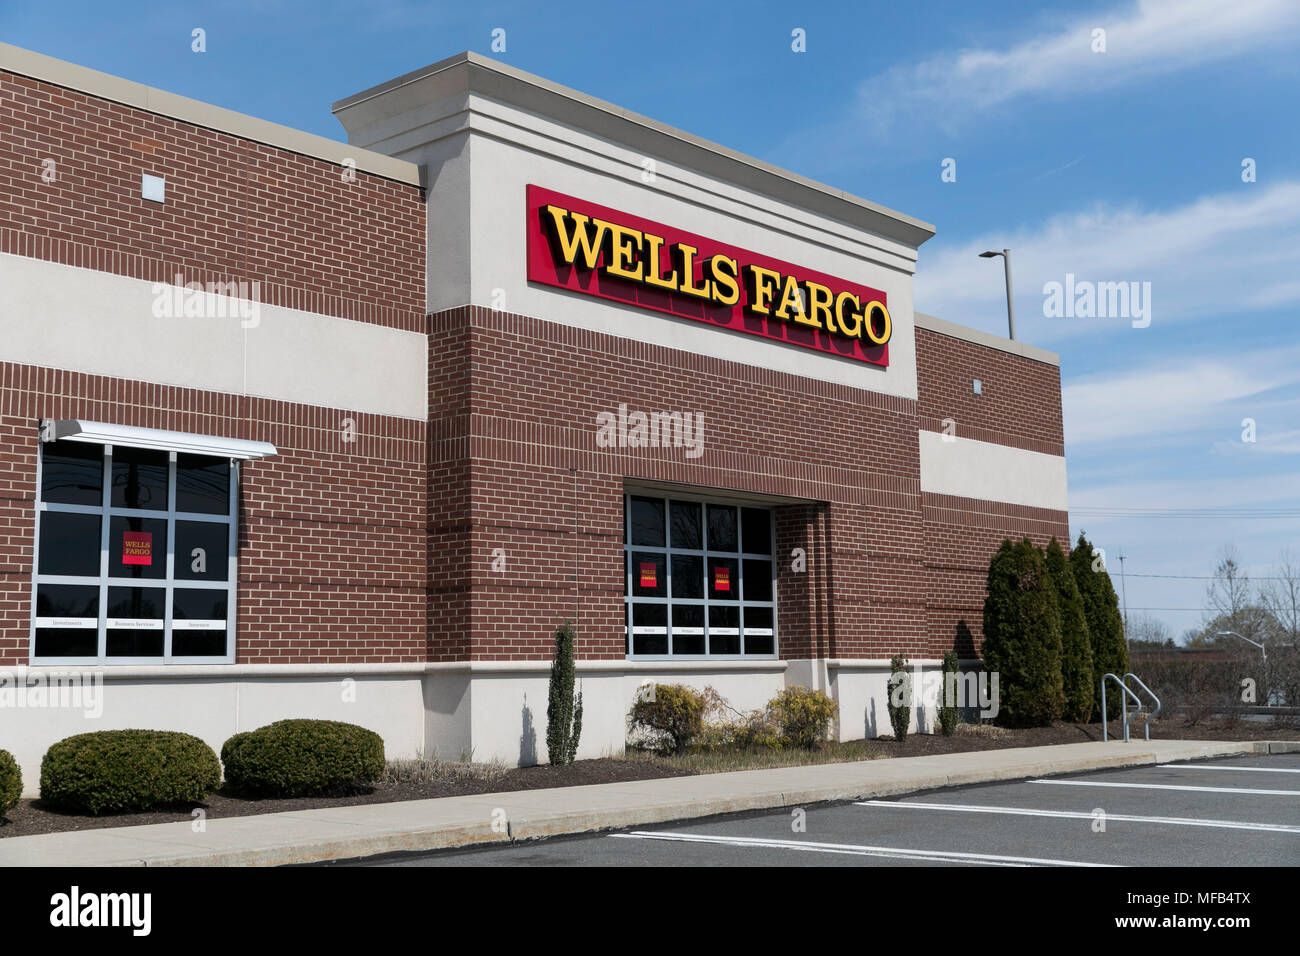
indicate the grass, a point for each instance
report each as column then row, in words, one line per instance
column 723, row 760
column 422, row 769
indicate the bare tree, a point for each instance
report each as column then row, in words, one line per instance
column 1282, row 597
column 1150, row 631
column 1229, row 591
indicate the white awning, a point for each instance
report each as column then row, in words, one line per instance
column 157, row 438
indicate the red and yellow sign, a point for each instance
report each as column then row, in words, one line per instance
column 721, row 578
column 137, row 547
column 648, row 575
column 583, row 247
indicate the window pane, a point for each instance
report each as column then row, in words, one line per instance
column 199, row 622
column 202, row 551
column 139, row 478
column 759, row 638
column 650, row 628
column 723, row 585
column 66, row 601
column 724, row 630
column 69, row 544
column 134, row 643
column 72, row 473
column 687, row 531
column 648, row 575
column 688, row 628
column 135, row 607
column 758, row 580
column 198, row 644
column 202, row 484
column 137, row 547
column 688, row 576
column 755, row 531
column 64, row 642
column 722, row 528
column 648, row 522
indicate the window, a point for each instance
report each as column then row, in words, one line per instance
column 699, row 579
column 135, row 556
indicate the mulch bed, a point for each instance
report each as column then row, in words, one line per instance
column 31, row 817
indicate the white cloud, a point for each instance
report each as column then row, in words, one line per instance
column 1151, row 37
column 1200, row 258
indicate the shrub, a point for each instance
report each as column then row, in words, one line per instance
column 1076, row 644
column 673, row 715
column 302, row 758
column 116, row 771
column 11, row 782
column 726, row 728
column 900, row 696
column 1105, row 625
column 804, row 716
column 563, row 711
column 1022, row 637
column 948, row 712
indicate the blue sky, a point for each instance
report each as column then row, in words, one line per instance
column 1115, row 166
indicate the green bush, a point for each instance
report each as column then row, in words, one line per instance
column 11, row 782
column 1105, row 624
column 948, row 712
column 804, row 716
column 302, row 758
column 563, row 710
column 118, row 771
column 900, row 696
column 1076, row 644
column 673, row 716
column 1022, row 637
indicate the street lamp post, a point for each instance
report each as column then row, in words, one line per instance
column 1261, row 647
column 1011, row 309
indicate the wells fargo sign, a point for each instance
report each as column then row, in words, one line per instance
column 583, row 247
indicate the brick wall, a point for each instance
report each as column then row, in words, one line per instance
column 1020, row 404
column 236, row 210
column 332, row 533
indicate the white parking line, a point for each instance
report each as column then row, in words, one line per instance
column 1168, row 786
column 931, row 856
column 1192, row 766
column 1084, row 815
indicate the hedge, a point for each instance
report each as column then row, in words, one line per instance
column 119, row 771
column 11, row 782
column 673, row 716
column 302, row 758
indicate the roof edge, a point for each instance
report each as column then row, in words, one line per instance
column 952, row 329
column 38, row 66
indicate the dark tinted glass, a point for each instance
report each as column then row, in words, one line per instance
column 67, row 600
column 139, row 478
column 688, row 576
column 202, row 484
column 688, row 629
column 654, row 616
column 198, row 643
column 137, row 547
column 649, row 575
column 127, row 643
column 195, row 604
column 687, row 529
column 72, row 473
column 722, row 528
column 67, row 642
column 69, row 544
column 648, row 522
column 758, row 619
column 137, row 603
column 756, row 531
column 721, row 620
column 202, row 551
column 758, row 580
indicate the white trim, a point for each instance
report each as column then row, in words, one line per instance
column 102, row 433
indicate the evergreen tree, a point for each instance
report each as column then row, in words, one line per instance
column 563, row 711
column 1105, row 625
column 1022, row 637
column 1076, row 644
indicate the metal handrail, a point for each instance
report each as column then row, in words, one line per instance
column 1105, row 723
column 1151, row 715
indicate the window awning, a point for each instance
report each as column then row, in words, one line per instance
column 156, row 438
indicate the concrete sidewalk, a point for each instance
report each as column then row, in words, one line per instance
column 343, row 832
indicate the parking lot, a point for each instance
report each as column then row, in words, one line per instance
column 1242, row 811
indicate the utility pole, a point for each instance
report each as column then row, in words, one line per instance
column 1123, row 584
